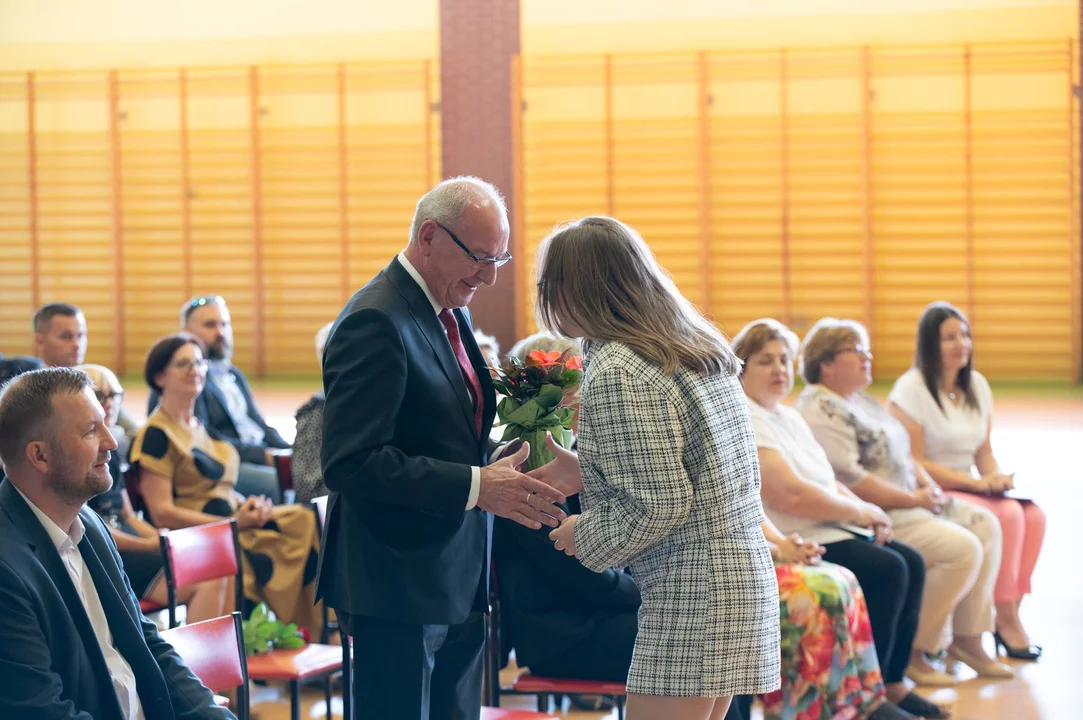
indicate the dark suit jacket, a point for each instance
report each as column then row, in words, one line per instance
column 549, row 602
column 51, row 665
column 398, row 443
column 211, row 411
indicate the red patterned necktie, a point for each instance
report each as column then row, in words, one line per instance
column 471, row 376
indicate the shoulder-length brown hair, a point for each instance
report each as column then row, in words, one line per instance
column 598, row 275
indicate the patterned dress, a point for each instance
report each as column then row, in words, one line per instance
column 829, row 665
column 279, row 558
column 671, row 487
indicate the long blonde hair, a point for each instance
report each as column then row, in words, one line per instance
column 598, row 275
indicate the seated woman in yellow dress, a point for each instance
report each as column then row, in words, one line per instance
column 186, row 478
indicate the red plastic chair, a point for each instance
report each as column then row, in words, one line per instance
column 207, row 552
column 488, row 713
column 214, row 650
column 284, row 467
column 199, row 553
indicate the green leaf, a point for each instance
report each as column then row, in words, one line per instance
column 260, row 614
column 506, row 407
column 511, row 432
column 292, row 643
column 525, row 415
column 549, row 396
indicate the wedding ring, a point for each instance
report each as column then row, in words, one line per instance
column 528, row 494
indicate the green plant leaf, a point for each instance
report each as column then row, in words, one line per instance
column 292, row 643
column 260, row 614
column 549, row 396
column 525, row 415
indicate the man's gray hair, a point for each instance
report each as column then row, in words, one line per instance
column 26, row 407
column 447, row 202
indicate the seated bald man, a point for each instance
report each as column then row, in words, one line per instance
column 73, row 643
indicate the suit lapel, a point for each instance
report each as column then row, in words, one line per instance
column 127, row 636
column 422, row 313
column 23, row 518
column 213, row 394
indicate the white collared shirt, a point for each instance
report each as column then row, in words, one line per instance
column 437, row 308
column 119, row 669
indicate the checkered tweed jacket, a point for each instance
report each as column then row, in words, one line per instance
column 671, row 487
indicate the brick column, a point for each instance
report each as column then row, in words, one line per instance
column 477, row 41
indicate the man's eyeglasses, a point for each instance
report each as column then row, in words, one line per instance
column 478, row 261
column 186, row 365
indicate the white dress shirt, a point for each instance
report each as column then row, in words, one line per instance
column 119, row 669
column 437, row 308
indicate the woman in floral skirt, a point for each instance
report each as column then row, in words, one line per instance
column 829, row 665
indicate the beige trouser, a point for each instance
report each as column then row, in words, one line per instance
column 961, row 548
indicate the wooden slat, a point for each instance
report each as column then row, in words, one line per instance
column 861, row 182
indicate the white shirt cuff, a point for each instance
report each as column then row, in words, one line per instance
column 475, row 487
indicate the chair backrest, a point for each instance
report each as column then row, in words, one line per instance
column 284, row 468
column 199, row 553
column 214, row 651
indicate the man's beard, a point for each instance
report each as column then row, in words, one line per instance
column 219, row 350
column 77, row 492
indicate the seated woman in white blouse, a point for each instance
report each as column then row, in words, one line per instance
column 947, row 407
column 801, row 495
column 870, row 452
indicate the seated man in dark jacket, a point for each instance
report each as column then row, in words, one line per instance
column 562, row 619
column 226, row 406
column 73, row 642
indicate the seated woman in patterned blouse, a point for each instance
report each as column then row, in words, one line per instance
column 870, row 453
column 187, row 479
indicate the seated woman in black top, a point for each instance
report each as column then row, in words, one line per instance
column 136, row 539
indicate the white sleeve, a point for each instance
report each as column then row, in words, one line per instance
column 911, row 396
column 766, row 437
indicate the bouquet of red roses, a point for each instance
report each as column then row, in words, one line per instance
column 538, row 399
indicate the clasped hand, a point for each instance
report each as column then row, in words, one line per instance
column 507, row 492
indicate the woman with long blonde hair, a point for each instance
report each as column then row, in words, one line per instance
column 667, row 461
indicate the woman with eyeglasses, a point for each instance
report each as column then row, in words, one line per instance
column 870, row 453
column 186, row 478
column 137, row 540
column 947, row 406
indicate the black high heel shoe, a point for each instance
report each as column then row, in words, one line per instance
column 1031, row 652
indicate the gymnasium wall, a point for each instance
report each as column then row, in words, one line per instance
column 791, row 159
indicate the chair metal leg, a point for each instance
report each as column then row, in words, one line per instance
column 295, row 700
column 543, row 703
column 620, row 706
column 327, row 693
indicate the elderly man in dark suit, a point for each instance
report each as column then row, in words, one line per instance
column 405, row 454
column 73, row 643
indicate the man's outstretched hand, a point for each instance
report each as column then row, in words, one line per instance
column 506, row 492
column 562, row 472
